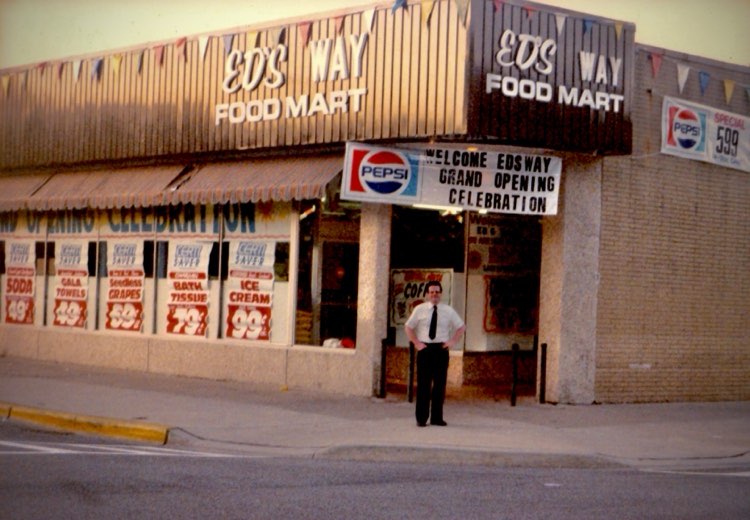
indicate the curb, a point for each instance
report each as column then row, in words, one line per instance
column 134, row 430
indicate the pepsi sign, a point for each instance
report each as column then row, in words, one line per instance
column 686, row 129
column 379, row 174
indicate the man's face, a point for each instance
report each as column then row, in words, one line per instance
column 433, row 294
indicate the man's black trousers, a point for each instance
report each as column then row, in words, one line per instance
column 432, row 374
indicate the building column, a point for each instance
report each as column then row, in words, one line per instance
column 373, row 286
column 569, row 285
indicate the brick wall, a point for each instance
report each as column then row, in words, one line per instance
column 674, row 301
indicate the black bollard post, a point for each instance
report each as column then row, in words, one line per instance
column 543, row 375
column 514, row 363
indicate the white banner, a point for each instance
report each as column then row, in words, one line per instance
column 71, row 283
column 126, row 283
column 474, row 180
column 706, row 134
column 187, row 277
column 250, row 289
column 20, row 275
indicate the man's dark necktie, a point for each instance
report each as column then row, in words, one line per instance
column 433, row 322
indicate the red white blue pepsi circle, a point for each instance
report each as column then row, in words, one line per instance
column 687, row 129
column 380, row 172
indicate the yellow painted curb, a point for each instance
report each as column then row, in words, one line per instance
column 4, row 411
column 135, row 430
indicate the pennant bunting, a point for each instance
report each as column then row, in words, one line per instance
column 587, row 24
column 728, row 89
column 159, row 54
column 462, row 6
column 398, row 4
column 41, row 67
column 656, row 60
column 498, row 4
column 60, row 67
column 682, row 75
column 203, row 45
column 427, row 7
column 369, row 18
column 560, row 21
column 181, row 46
column 529, row 11
column 116, row 61
column 24, row 78
column 704, row 78
column 96, row 68
column 6, row 83
column 252, row 39
column 77, row 69
column 618, row 29
column 277, row 36
column 139, row 65
column 339, row 23
column 228, row 38
column 305, row 30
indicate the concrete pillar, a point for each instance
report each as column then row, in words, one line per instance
column 569, row 284
column 372, row 291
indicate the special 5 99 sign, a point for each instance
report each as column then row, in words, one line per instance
column 703, row 133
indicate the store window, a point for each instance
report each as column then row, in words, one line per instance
column 328, row 270
column 427, row 239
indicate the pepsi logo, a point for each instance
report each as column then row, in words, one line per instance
column 687, row 129
column 384, row 172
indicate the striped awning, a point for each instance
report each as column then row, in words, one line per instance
column 121, row 188
column 281, row 178
column 16, row 189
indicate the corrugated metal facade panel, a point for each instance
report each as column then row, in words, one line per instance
column 156, row 102
column 16, row 189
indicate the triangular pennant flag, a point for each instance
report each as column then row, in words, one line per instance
column 139, row 64
column 369, row 18
column 682, row 75
column 181, row 46
column 462, row 6
column 305, row 30
column 560, row 21
column 618, row 29
column 228, row 38
column 159, row 53
column 116, row 61
column 339, row 23
column 203, row 45
column 96, row 68
column 497, row 4
column 41, row 67
column 587, row 24
column 529, row 10
column 704, row 78
column 280, row 36
column 77, row 69
column 427, row 8
column 6, row 83
column 60, row 67
column 252, row 39
column 728, row 89
column 655, row 63
column 398, row 4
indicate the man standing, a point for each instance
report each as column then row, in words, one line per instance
column 433, row 328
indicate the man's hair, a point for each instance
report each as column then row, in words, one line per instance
column 433, row 283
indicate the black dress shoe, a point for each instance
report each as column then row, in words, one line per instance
column 421, row 424
column 438, row 423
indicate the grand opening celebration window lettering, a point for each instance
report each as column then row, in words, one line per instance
column 328, row 273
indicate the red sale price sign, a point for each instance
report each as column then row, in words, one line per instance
column 189, row 320
column 248, row 322
column 19, row 310
column 126, row 316
column 70, row 313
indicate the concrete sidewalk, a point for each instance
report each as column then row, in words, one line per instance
column 261, row 420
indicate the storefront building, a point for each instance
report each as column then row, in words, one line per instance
column 265, row 204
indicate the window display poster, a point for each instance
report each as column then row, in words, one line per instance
column 409, row 289
column 187, row 281
column 71, row 283
column 250, row 289
column 20, row 274
column 126, row 282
